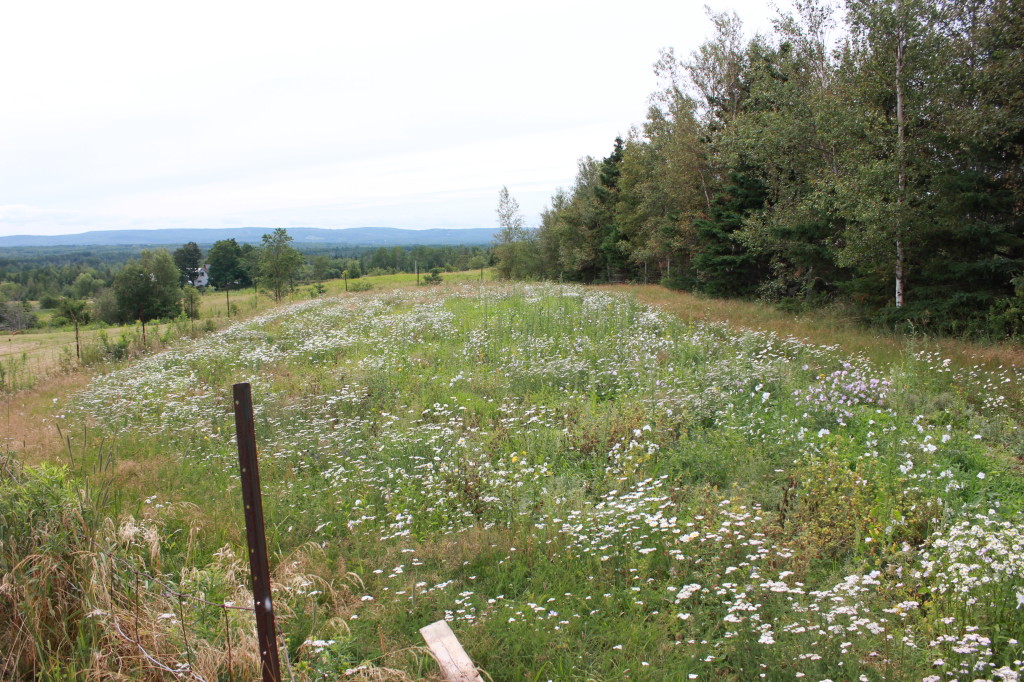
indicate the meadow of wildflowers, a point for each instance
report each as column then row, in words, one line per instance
column 586, row 488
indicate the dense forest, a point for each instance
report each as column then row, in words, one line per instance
column 881, row 169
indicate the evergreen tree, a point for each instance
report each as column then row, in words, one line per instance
column 787, row 131
column 883, row 192
column 973, row 249
column 606, row 193
column 888, row 168
column 569, row 232
column 720, row 72
column 724, row 265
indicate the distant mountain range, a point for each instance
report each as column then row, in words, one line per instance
column 303, row 236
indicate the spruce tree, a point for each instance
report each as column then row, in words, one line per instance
column 724, row 265
column 606, row 192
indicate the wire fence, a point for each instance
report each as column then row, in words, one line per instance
column 132, row 622
column 192, row 624
column 268, row 644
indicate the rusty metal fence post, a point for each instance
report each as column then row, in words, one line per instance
column 266, row 632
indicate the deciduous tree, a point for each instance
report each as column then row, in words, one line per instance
column 76, row 311
column 279, row 262
column 147, row 288
column 515, row 246
column 225, row 260
column 188, row 258
column 884, row 195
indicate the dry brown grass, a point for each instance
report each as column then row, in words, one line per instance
column 27, row 419
column 47, row 353
column 821, row 327
column 107, row 586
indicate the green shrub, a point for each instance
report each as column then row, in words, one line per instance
column 433, row 277
column 42, row 530
column 359, row 285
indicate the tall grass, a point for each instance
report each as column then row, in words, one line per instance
column 586, row 487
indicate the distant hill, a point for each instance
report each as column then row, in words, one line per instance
column 303, row 236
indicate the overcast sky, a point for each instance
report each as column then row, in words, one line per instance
column 137, row 114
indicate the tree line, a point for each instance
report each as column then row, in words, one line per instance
column 115, row 285
column 882, row 169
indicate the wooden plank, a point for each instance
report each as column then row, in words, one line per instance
column 455, row 665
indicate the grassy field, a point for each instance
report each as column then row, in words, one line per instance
column 588, row 487
column 35, row 354
column 823, row 326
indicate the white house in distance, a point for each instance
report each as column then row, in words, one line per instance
column 202, row 277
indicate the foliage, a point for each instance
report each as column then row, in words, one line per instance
column 660, row 190
column 433, row 277
column 83, row 272
column 724, row 265
column 225, row 261
column 386, row 260
column 279, row 263
column 105, row 307
column 606, row 192
column 86, row 285
column 190, row 299
column 17, row 315
column 188, row 258
column 320, row 268
column 577, row 235
column 578, row 482
column 514, row 245
column 882, row 168
column 147, row 289
column 249, row 263
column 73, row 311
column 65, row 271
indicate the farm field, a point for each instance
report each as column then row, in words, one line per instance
column 587, row 487
column 32, row 355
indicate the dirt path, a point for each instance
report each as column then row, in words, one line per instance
column 26, row 419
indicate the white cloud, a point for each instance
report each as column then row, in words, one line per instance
column 198, row 112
